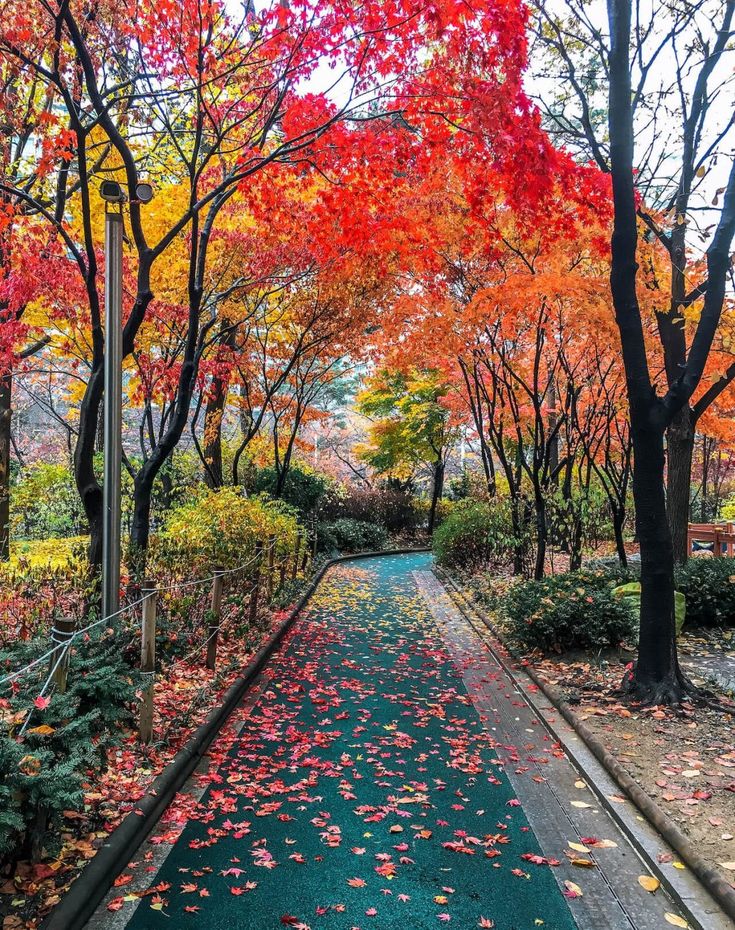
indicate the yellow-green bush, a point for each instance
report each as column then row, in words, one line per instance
column 220, row 528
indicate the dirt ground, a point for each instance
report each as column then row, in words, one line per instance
column 684, row 760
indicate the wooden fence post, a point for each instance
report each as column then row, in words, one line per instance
column 271, row 564
column 215, row 615
column 61, row 632
column 148, row 661
column 253, row 613
column 295, row 568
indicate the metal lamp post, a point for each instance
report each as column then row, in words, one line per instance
column 112, row 412
column 112, row 193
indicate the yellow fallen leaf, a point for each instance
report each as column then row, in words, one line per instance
column 43, row 730
column 728, row 865
column 678, row 865
column 649, row 883
column 580, row 804
column 676, row 920
column 578, row 847
column 604, row 844
column 583, row 863
column 573, row 888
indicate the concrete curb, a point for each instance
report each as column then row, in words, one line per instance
column 710, row 879
column 89, row 889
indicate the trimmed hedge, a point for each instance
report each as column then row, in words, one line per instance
column 570, row 611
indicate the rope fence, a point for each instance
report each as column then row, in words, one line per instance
column 270, row 573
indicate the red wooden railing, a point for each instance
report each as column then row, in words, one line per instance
column 720, row 535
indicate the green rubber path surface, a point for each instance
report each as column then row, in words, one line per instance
column 362, row 792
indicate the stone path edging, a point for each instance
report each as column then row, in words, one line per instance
column 710, row 879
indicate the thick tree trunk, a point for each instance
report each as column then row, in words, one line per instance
column 437, row 491
column 141, row 523
column 680, row 449
column 656, row 678
column 6, row 413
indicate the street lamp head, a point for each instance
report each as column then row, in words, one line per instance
column 112, row 192
column 144, row 192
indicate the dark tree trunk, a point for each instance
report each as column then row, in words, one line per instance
column 541, row 534
column 488, row 466
column 553, row 433
column 657, row 678
column 141, row 523
column 618, row 519
column 680, row 450
column 437, row 491
column 6, row 414
column 213, row 474
column 89, row 488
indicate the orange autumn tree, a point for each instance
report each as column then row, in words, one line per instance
column 510, row 312
column 126, row 79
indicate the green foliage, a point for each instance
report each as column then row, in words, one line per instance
column 475, row 534
column 460, row 488
column 570, row 611
column 303, row 487
column 410, row 424
column 220, row 528
column 631, row 593
column 43, row 770
column 709, row 587
column 348, row 535
column 44, row 502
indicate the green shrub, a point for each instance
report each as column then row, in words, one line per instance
column 43, row 769
column 303, row 488
column 709, row 587
column 45, row 502
column 351, row 536
column 475, row 534
column 570, row 611
column 631, row 593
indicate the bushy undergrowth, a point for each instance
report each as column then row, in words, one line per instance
column 475, row 534
column 562, row 612
column 303, row 487
column 348, row 535
column 44, row 767
column 396, row 510
column 221, row 528
column 709, row 587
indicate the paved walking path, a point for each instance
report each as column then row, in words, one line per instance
column 388, row 775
